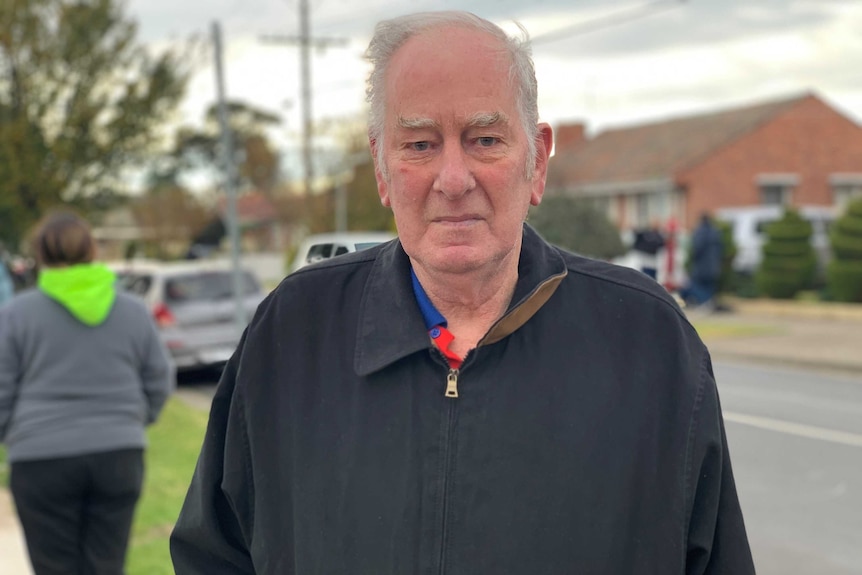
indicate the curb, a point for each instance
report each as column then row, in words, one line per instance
column 796, row 309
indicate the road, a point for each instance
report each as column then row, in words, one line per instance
column 795, row 439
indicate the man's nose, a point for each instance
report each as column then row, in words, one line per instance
column 454, row 178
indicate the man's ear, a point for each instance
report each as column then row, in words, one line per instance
column 544, row 144
column 382, row 184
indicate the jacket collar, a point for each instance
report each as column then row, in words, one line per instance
column 390, row 323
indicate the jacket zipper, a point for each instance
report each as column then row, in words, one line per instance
column 451, row 382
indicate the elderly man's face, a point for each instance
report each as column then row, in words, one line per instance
column 456, row 152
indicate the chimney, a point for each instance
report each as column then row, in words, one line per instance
column 568, row 137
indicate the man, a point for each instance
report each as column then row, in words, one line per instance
column 648, row 242
column 467, row 398
column 706, row 257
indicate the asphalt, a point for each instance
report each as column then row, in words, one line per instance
column 823, row 337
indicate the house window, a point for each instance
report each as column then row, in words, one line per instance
column 845, row 187
column 776, row 189
column 642, row 216
column 842, row 195
column 774, row 194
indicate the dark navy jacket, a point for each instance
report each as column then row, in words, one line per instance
column 586, row 436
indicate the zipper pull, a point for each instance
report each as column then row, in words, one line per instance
column 452, row 383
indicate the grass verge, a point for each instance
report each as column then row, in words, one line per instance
column 712, row 329
column 4, row 468
column 174, row 444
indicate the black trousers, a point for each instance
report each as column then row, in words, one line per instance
column 77, row 511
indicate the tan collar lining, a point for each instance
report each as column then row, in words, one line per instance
column 520, row 315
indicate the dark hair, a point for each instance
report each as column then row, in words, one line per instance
column 63, row 239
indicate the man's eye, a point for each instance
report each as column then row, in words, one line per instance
column 420, row 146
column 487, row 141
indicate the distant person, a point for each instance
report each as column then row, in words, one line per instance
column 82, row 373
column 648, row 242
column 466, row 398
column 706, row 258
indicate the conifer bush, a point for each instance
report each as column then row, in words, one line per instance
column 789, row 262
column 844, row 272
column 727, row 280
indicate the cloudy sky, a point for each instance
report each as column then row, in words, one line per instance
column 604, row 62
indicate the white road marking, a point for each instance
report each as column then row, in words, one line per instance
column 798, row 429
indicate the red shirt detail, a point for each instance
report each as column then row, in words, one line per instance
column 443, row 341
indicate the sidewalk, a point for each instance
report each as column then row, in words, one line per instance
column 13, row 553
column 815, row 336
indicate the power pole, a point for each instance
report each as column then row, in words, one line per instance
column 229, row 164
column 306, row 42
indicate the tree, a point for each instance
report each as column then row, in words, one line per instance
column 200, row 148
column 789, row 261
column 352, row 163
column 171, row 217
column 79, row 102
column 844, row 272
column 574, row 224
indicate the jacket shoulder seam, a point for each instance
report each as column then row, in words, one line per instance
column 688, row 488
column 625, row 284
column 246, row 461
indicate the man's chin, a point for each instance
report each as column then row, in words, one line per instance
column 460, row 259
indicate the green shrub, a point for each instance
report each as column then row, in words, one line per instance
column 727, row 280
column 844, row 272
column 573, row 224
column 789, row 262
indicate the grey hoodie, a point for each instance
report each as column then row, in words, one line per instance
column 67, row 388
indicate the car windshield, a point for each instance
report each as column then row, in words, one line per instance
column 138, row 284
column 206, row 286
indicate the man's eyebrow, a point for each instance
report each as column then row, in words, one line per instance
column 485, row 119
column 417, row 123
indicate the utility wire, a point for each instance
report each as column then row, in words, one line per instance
column 615, row 19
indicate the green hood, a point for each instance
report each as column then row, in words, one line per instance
column 86, row 290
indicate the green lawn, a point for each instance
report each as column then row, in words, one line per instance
column 707, row 329
column 4, row 469
column 174, row 443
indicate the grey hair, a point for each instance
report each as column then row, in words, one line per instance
column 390, row 35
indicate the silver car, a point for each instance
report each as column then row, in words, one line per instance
column 194, row 307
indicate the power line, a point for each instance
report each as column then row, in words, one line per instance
column 615, row 19
column 305, row 42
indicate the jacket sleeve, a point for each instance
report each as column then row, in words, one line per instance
column 717, row 543
column 213, row 531
column 9, row 371
column 158, row 375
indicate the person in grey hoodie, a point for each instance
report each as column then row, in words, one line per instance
column 82, row 373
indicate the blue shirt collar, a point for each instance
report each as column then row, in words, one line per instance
column 430, row 314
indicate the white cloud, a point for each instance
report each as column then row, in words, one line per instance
column 704, row 55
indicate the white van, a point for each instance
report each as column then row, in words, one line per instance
column 749, row 231
column 324, row 246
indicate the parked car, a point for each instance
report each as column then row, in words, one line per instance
column 319, row 247
column 749, row 231
column 193, row 305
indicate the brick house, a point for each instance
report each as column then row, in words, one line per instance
column 260, row 225
column 796, row 151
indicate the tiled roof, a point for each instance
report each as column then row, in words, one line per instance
column 657, row 151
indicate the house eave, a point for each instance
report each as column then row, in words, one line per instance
column 604, row 189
